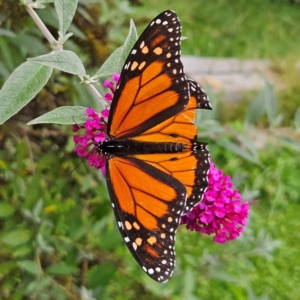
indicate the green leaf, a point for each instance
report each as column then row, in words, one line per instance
column 6, row 267
column 237, row 150
column 6, row 210
column 111, row 65
column 63, row 115
column 297, row 118
column 65, row 60
column 116, row 60
column 100, row 275
column 61, row 269
column 21, row 87
column 246, row 142
column 189, row 283
column 292, row 142
column 270, row 102
column 36, row 211
column 256, row 108
column 17, row 237
column 29, row 266
column 65, row 10
column 6, row 32
column 22, row 251
column 131, row 39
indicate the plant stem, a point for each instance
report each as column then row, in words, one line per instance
column 95, row 92
column 41, row 25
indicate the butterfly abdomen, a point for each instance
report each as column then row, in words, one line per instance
column 128, row 147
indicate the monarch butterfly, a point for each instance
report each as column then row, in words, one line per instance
column 156, row 170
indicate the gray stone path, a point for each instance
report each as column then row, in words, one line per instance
column 229, row 76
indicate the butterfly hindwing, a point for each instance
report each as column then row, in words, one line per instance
column 198, row 94
column 200, row 181
column 190, row 168
column 147, row 204
column 153, row 85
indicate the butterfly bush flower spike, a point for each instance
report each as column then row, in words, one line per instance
column 93, row 131
column 220, row 212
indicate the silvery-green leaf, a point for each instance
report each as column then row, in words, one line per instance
column 297, row 118
column 237, row 150
column 6, row 32
column 116, row 60
column 30, row 266
column 131, row 39
column 65, row 60
column 111, row 65
column 21, row 87
column 67, row 36
column 256, row 108
column 16, row 237
column 65, row 10
column 63, row 115
column 292, row 142
column 270, row 102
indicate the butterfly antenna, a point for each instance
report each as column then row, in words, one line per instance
column 76, row 166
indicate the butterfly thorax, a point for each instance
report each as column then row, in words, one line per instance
column 127, row 147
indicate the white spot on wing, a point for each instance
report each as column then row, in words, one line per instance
column 151, row 271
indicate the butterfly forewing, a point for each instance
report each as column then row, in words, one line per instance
column 153, row 85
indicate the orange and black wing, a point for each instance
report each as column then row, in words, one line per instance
column 153, row 86
column 198, row 98
column 147, row 204
column 190, row 167
column 179, row 128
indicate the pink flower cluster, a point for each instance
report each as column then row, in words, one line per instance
column 86, row 145
column 220, row 212
column 111, row 85
column 95, row 131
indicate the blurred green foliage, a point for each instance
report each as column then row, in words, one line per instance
column 58, row 234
